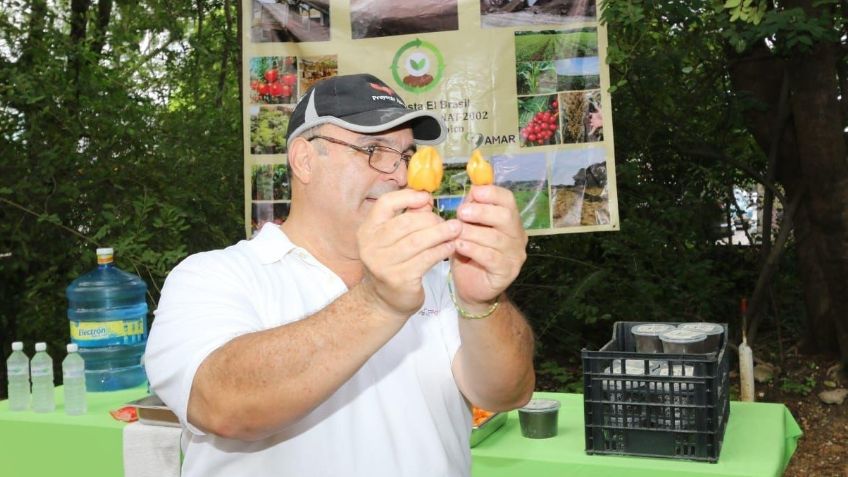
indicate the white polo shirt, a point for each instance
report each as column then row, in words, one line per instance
column 401, row 414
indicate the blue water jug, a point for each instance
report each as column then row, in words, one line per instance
column 107, row 308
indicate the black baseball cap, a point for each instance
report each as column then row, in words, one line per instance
column 361, row 103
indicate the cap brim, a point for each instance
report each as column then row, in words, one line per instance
column 427, row 128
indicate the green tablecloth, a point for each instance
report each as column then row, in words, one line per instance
column 55, row 444
column 759, row 441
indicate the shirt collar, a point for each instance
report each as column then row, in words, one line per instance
column 271, row 244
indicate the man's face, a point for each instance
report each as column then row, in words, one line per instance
column 345, row 184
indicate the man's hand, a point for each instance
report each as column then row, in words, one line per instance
column 490, row 249
column 397, row 248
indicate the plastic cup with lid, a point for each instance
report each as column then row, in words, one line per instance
column 647, row 336
column 539, row 418
column 680, row 341
column 714, row 331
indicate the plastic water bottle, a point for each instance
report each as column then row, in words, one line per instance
column 73, row 382
column 17, row 368
column 107, row 309
column 43, row 391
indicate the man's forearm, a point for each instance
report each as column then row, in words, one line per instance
column 494, row 366
column 302, row 364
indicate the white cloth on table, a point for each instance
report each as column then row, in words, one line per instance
column 151, row 451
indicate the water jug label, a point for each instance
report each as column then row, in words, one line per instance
column 39, row 372
column 109, row 333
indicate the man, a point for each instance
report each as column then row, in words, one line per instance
column 343, row 343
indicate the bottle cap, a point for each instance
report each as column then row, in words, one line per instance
column 72, row 348
column 41, row 346
column 104, row 255
column 18, row 346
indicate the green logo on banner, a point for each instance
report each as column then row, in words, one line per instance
column 418, row 66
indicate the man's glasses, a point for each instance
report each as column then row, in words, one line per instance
column 381, row 158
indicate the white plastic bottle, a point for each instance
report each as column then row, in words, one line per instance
column 17, row 368
column 73, row 382
column 41, row 367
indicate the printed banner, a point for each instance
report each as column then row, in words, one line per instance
column 524, row 81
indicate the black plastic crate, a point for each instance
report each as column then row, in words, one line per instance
column 681, row 414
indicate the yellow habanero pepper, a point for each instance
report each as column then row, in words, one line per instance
column 479, row 170
column 425, row 169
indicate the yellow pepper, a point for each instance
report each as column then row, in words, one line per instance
column 425, row 169
column 479, row 170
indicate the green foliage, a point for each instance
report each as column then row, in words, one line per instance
column 127, row 137
column 802, row 382
column 789, row 31
column 803, row 386
column 268, row 131
column 564, row 380
column 746, row 10
column 529, row 73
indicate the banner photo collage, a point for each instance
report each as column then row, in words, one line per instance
column 523, row 81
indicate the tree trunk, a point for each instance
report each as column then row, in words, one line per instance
column 225, row 54
column 76, row 56
column 812, row 153
column 239, row 51
column 104, row 15
column 825, row 172
column 820, row 320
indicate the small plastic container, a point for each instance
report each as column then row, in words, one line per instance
column 647, row 336
column 679, row 341
column 678, row 395
column 622, row 390
column 714, row 332
column 539, row 418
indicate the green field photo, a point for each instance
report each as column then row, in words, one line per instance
column 526, row 175
column 553, row 45
column 534, row 206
